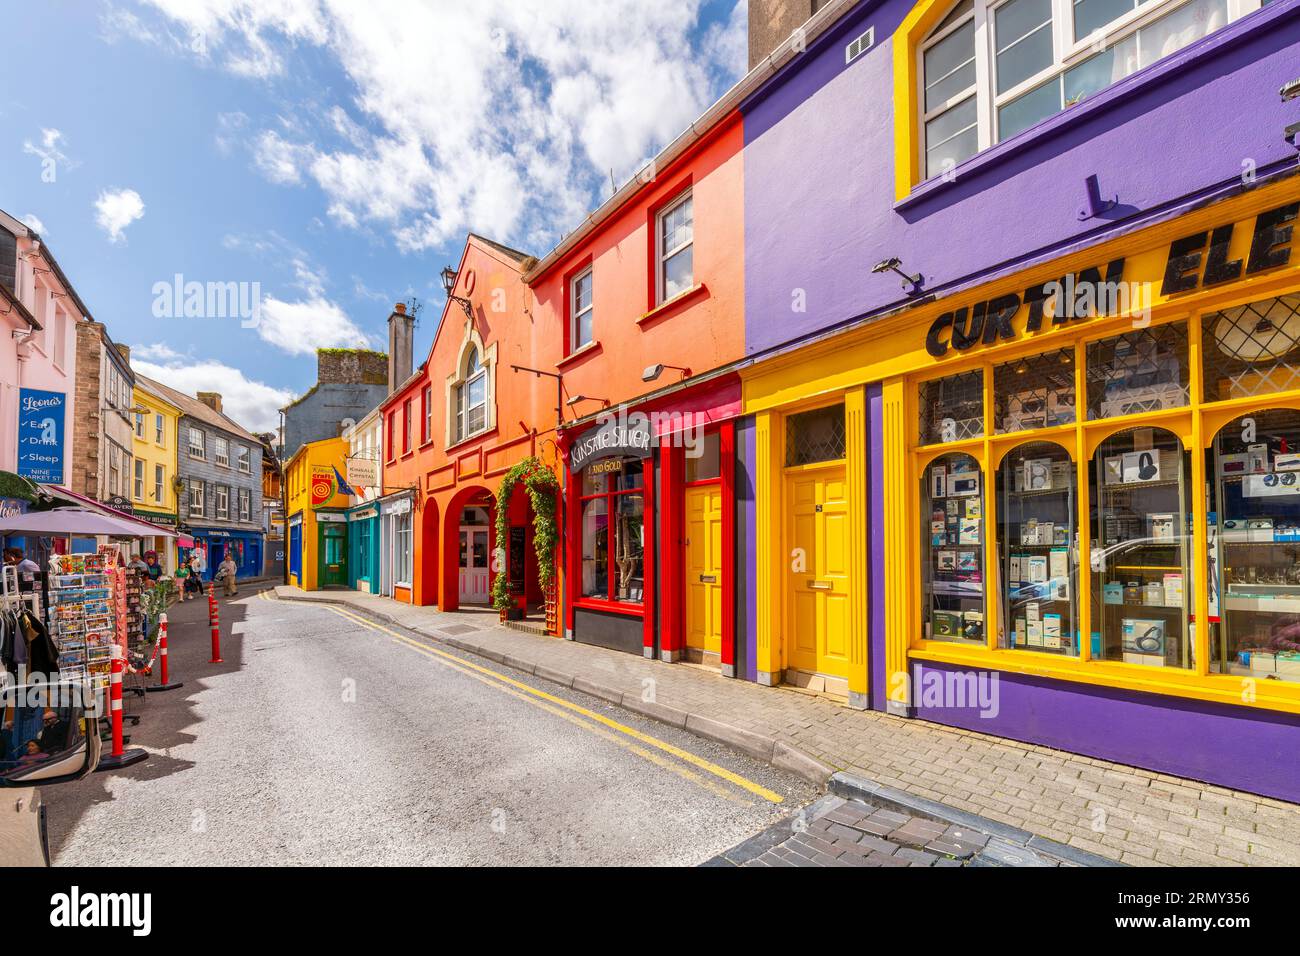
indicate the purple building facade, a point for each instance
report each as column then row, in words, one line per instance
column 1005, row 508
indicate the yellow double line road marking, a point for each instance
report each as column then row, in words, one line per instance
column 644, row 745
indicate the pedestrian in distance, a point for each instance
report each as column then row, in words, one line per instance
column 226, row 572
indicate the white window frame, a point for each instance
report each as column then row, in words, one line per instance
column 221, row 451
column 463, row 406
column 576, row 314
column 159, row 430
column 1066, row 54
column 403, row 538
column 196, row 498
column 139, row 425
column 202, row 453
column 221, row 502
column 427, row 397
column 243, row 458
column 158, row 483
column 245, row 505
column 662, row 255
column 137, row 480
column 114, row 470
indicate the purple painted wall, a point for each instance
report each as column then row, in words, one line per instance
column 1229, row 746
column 819, row 170
column 747, row 560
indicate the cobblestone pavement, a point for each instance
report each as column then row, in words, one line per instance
column 1128, row 814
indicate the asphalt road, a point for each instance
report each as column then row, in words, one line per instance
column 327, row 739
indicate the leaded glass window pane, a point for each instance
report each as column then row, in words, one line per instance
column 952, row 408
column 1140, row 371
column 817, row 435
column 1034, row 392
column 1252, row 349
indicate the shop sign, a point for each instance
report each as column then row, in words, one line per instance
column 363, row 472
column 398, row 507
column 12, row 507
column 331, row 517
column 616, row 436
column 295, row 520
column 363, row 514
column 1199, row 260
column 40, row 435
column 118, row 503
column 322, row 484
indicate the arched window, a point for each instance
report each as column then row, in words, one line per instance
column 1139, row 486
column 1253, row 468
column 952, row 578
column 993, row 68
column 471, row 397
column 1037, row 549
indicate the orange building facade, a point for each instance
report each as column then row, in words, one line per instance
column 453, row 430
column 642, row 309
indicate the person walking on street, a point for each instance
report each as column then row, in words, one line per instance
column 226, row 572
column 193, row 584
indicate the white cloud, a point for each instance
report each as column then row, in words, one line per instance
column 512, row 127
column 302, row 327
column 50, row 150
column 252, row 404
column 115, row 209
column 155, row 352
column 279, row 160
column 32, row 222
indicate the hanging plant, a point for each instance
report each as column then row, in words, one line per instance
column 15, row 486
column 543, row 490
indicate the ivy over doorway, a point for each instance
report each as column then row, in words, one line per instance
column 543, row 490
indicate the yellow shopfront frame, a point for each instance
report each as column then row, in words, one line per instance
column 891, row 353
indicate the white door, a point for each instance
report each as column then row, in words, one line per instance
column 474, row 564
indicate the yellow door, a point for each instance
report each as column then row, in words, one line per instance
column 704, row 568
column 817, row 605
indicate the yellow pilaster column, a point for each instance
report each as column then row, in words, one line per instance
column 900, row 616
column 768, row 447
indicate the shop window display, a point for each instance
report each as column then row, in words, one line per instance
column 1252, row 349
column 1034, row 392
column 1144, row 370
column 952, row 547
column 613, row 554
column 1254, row 598
column 1140, row 549
column 952, row 408
column 1038, row 549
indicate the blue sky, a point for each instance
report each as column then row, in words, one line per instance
column 334, row 152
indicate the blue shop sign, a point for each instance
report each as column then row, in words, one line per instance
column 40, row 435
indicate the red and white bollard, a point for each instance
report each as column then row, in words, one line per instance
column 215, row 621
column 163, row 682
column 119, row 757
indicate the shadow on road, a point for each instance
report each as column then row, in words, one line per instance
column 168, row 719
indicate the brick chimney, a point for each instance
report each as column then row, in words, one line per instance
column 401, row 349
column 124, row 351
column 210, row 399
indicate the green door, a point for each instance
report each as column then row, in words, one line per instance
column 332, row 568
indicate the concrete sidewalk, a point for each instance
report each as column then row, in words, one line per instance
column 1120, row 812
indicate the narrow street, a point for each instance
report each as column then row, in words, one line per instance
column 328, row 739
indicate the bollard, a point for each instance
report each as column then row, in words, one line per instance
column 216, row 635
column 119, row 757
column 163, row 682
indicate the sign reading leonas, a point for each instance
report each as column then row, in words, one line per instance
column 1195, row 261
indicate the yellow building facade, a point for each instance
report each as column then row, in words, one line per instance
column 153, row 478
column 316, row 515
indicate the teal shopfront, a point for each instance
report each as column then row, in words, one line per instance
column 363, row 543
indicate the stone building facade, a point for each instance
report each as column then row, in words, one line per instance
column 100, row 462
column 349, row 383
